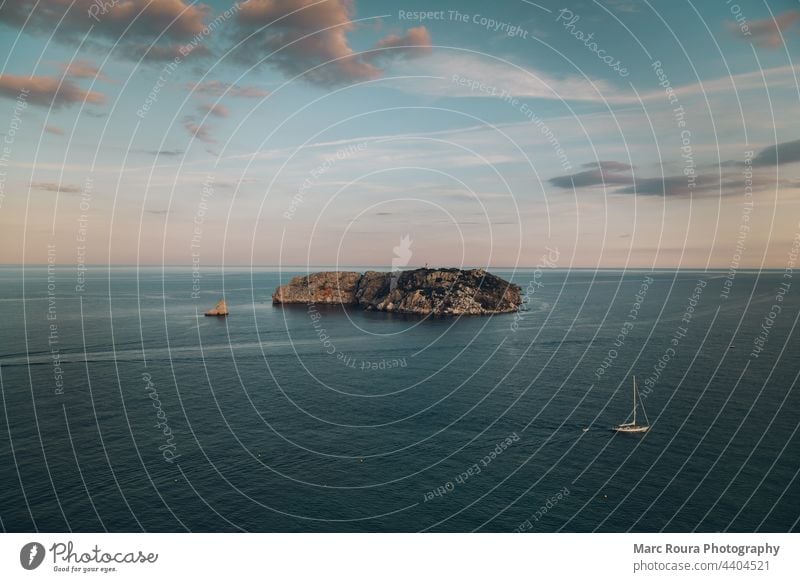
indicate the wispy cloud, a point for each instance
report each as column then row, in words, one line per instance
column 55, row 187
column 164, row 153
column 83, row 69
column 442, row 72
column 498, row 78
column 218, row 89
column 672, row 185
column 609, row 165
column 215, row 109
column 199, row 131
column 599, row 173
column 623, row 5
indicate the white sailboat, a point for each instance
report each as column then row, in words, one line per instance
column 634, row 426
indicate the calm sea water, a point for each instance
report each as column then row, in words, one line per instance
column 285, row 419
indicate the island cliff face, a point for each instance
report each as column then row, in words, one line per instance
column 418, row 291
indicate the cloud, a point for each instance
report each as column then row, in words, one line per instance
column 304, row 35
column 218, row 89
column 722, row 183
column 672, row 185
column 54, row 130
column 47, row 91
column 133, row 25
column 479, row 76
column 167, row 153
column 83, row 69
column 601, row 173
column 167, row 52
column 199, row 131
column 215, row 109
column 469, row 75
column 610, row 166
column 53, row 187
column 177, row 19
column 726, row 179
column 416, row 42
column 775, row 155
column 766, row 33
column 782, row 153
column 623, row 5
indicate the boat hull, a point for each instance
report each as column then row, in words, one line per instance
column 631, row 429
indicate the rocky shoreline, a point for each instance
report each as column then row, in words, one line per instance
column 417, row 291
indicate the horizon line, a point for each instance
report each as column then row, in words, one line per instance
column 389, row 267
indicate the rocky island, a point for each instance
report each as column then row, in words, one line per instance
column 417, row 291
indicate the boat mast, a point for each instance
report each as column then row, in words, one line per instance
column 634, row 400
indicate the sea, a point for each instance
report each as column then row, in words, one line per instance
column 124, row 409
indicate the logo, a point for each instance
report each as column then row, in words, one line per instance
column 31, row 555
column 402, row 256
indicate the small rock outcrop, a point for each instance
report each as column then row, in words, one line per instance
column 220, row 310
column 336, row 287
column 418, row 291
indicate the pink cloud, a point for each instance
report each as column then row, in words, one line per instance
column 306, row 33
column 83, row 69
column 47, row 91
column 199, row 131
column 766, row 33
column 133, row 24
column 175, row 18
column 416, row 42
column 218, row 89
column 310, row 38
column 216, row 109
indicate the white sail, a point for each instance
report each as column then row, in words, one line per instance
column 634, row 426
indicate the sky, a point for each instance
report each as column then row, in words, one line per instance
column 614, row 134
